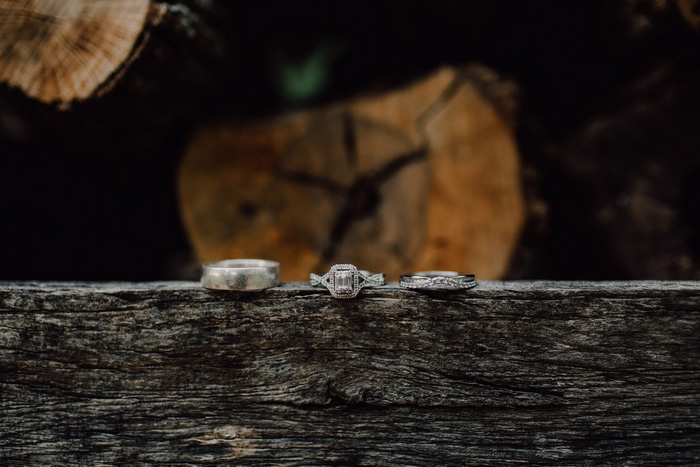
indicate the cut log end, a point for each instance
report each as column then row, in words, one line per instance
column 424, row 177
column 64, row 50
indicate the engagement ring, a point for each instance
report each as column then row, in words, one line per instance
column 345, row 280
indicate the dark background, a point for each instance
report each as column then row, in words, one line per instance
column 608, row 129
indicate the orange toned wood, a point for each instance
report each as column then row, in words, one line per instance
column 423, row 177
column 475, row 209
column 63, row 50
column 690, row 10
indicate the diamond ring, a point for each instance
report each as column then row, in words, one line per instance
column 433, row 280
column 345, row 280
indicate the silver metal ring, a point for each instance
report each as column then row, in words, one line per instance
column 240, row 274
column 436, row 280
column 345, row 280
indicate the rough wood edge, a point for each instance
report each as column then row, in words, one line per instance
column 484, row 289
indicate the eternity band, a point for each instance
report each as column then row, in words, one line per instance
column 432, row 280
column 241, row 274
column 345, row 280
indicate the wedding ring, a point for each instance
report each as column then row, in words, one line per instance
column 345, row 280
column 436, row 280
column 241, row 274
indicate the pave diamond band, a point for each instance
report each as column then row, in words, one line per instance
column 436, row 280
column 345, row 280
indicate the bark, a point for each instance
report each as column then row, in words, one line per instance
column 545, row 373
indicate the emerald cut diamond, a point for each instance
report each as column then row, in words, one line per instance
column 345, row 281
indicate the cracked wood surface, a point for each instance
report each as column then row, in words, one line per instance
column 59, row 50
column 544, row 373
column 423, row 177
column 65, row 51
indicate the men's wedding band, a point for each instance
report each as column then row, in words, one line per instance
column 241, row 274
column 345, row 280
column 437, row 280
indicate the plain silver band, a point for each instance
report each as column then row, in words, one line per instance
column 241, row 274
column 437, row 280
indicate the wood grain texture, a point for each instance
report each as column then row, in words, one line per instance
column 512, row 373
column 69, row 51
column 60, row 50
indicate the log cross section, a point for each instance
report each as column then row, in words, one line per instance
column 545, row 373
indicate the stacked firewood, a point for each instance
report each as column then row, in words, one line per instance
column 491, row 137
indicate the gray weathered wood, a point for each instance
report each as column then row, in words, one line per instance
column 543, row 373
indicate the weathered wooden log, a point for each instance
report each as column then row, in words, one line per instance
column 422, row 177
column 513, row 373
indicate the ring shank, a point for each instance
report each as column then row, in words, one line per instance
column 240, row 274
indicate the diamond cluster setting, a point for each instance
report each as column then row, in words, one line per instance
column 435, row 282
column 344, row 281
